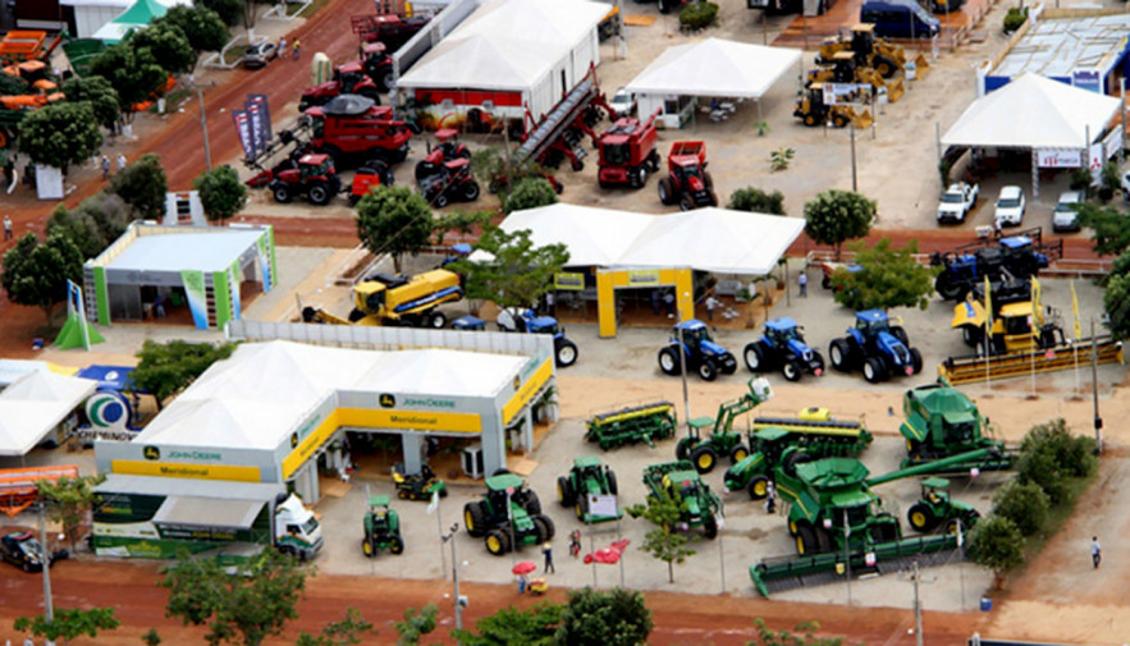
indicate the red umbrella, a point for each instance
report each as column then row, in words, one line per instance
column 609, row 555
column 524, row 567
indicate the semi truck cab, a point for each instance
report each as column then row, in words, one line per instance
column 297, row 531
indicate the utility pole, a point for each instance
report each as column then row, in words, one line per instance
column 45, row 555
column 683, row 372
column 204, row 128
column 721, row 556
column 854, row 183
column 1098, row 420
column 918, row 638
column 460, row 600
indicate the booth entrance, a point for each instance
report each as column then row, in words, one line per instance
column 609, row 281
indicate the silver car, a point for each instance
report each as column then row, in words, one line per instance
column 1065, row 217
column 258, row 55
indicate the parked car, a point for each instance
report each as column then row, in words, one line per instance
column 259, row 54
column 899, row 19
column 22, row 550
column 1009, row 211
column 957, row 202
column 623, row 103
column 1065, row 217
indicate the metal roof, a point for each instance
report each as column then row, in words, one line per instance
column 1056, row 46
column 208, row 512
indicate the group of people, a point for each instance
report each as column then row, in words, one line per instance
column 104, row 163
column 295, row 52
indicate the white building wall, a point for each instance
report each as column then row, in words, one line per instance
column 90, row 18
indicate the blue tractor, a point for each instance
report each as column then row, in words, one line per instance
column 525, row 320
column 782, row 346
column 876, row 346
column 1018, row 257
column 700, row 352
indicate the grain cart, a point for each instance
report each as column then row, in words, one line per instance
column 941, row 421
column 627, row 152
column 936, row 509
column 698, row 507
column 880, row 348
column 782, row 346
column 687, row 183
column 587, row 486
column 723, row 440
column 700, row 352
column 381, row 299
column 508, row 516
column 382, row 528
column 632, row 425
column 419, row 486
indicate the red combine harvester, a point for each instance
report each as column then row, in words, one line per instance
column 348, row 79
column 627, row 152
column 352, row 127
column 687, row 183
column 390, row 29
column 448, row 148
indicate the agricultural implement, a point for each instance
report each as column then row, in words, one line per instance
column 419, row 486
column 632, row 425
column 698, row 506
column 940, row 421
column 17, row 486
column 723, row 440
column 1018, row 256
column 508, row 516
column 382, row 528
column 381, row 299
column 587, row 488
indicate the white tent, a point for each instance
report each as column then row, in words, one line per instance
column 35, row 405
column 478, row 62
column 715, row 67
column 1033, row 112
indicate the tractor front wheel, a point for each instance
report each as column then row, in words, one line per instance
column 791, row 370
column 544, row 527
column 396, row 545
column 436, row 320
column 565, row 494
column 710, row 527
column 683, row 448
column 758, row 488
column 704, row 459
column 739, row 453
column 915, row 361
column 707, row 371
column 471, row 191
column 664, row 188
column 281, row 194
column 440, row 200
column 566, row 353
column 873, row 370
column 367, row 548
column 497, row 542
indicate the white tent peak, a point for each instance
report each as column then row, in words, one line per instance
column 1033, row 112
column 715, row 67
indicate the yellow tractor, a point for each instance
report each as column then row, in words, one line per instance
column 381, row 299
column 812, row 110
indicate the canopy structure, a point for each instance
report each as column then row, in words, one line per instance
column 717, row 68
column 1033, row 112
column 34, row 406
column 138, row 16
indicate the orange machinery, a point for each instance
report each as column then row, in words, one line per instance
column 17, row 486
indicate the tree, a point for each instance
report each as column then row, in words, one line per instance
column 229, row 11
column 164, row 369
column 1024, row 503
column 529, row 193
column 534, row 627
column 1049, row 455
column 996, row 543
column 1116, row 301
column 834, row 217
column 463, row 222
column 614, row 618
column 133, row 72
column 519, row 273
column 221, row 193
column 663, row 542
column 69, row 624
column 394, row 220
column 36, row 274
column 151, row 637
column 346, row 632
column 768, row 637
column 68, row 501
column 1110, row 228
column 416, row 624
column 246, row 608
column 12, row 85
column 60, row 134
column 203, row 27
column 167, row 44
column 93, row 224
column 101, row 96
column 887, row 278
column 756, row 200
column 143, row 186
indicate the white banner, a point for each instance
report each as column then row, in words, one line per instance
column 847, row 94
column 602, row 505
column 1059, row 158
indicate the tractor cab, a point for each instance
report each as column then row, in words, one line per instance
column 448, row 141
column 503, row 485
column 379, row 508
column 871, row 323
column 863, row 40
column 781, row 331
column 843, row 67
column 770, row 442
column 936, row 490
column 315, row 165
column 683, row 487
column 615, row 150
column 1020, row 256
column 695, row 333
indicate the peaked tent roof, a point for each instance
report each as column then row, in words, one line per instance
column 595, row 236
column 34, row 405
column 1033, row 112
column 138, row 15
column 715, row 67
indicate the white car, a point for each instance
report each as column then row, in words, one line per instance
column 1065, row 218
column 623, row 103
column 1010, row 207
column 957, row 202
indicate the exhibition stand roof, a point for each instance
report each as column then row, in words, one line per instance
column 33, row 405
column 202, row 250
column 1033, row 112
column 138, row 16
column 715, row 67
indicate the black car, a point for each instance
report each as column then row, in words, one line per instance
column 22, row 550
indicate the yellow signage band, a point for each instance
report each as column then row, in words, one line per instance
column 527, row 391
column 239, row 473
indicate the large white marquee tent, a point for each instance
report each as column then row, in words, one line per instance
column 35, row 405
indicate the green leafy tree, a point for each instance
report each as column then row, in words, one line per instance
column 663, row 542
column 697, row 15
column 203, row 27
column 167, row 44
column 617, row 617
column 1110, row 228
column 101, row 96
column 1116, row 301
column 93, row 224
column 151, row 638
column 536, row 626
column 221, row 193
column 143, row 186
column 36, row 273
column 500, row 174
column 756, row 200
column 519, row 273
column 395, row 220
column 806, row 637
column 1049, row 455
column 246, row 608
column 888, row 278
column 164, row 369
column 12, row 85
column 462, row 222
column 230, row 11
column 834, row 217
column 529, row 193
column 347, row 632
column 996, row 543
column 69, row 624
column 1110, row 180
column 1024, row 503
column 60, row 134
column 132, row 71
column 416, row 624
column 68, row 501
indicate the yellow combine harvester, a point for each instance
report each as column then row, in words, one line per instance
column 381, row 299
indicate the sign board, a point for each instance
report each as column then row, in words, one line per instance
column 48, row 182
column 643, row 278
column 1087, row 79
column 848, row 94
column 602, row 505
column 569, row 281
column 1059, row 158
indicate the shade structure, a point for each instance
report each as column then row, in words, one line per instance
column 1033, row 112
column 715, row 67
column 34, row 405
column 138, row 16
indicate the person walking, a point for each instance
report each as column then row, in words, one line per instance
column 1096, row 552
column 711, row 305
column 7, row 227
column 550, row 304
column 121, row 162
column 575, row 543
column 770, row 498
column 522, row 583
column 282, row 47
column 547, row 550
column 297, row 50
column 802, row 282
column 105, row 168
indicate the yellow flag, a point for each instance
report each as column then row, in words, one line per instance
column 1078, row 329
column 1035, row 326
column 988, row 309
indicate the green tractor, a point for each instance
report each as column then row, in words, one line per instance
column 589, row 479
column 941, row 422
column 698, row 506
column 936, row 509
column 723, row 440
column 419, row 486
column 382, row 528
column 508, row 516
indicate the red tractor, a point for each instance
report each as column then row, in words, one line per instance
column 687, row 183
column 375, row 62
column 311, row 175
column 627, row 152
column 369, row 176
column 451, row 181
column 352, row 127
column 448, row 148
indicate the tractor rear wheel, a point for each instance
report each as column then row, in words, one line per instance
column 474, row 519
column 806, row 540
column 637, row 177
column 665, row 193
column 704, row 459
column 758, row 488
column 707, row 371
column 915, row 360
column 497, row 542
column 610, row 478
column 840, row 353
column 470, row 191
column 686, row 202
column 793, row 459
column 669, row 361
column 533, row 503
column 281, row 194
column 710, row 527
column 565, row 494
column 440, row 200
column 921, row 518
column 396, row 545
column 792, row 371
column 873, row 370
column 739, row 453
column 544, row 527
column 754, row 357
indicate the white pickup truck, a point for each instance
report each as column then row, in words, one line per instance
column 957, row 202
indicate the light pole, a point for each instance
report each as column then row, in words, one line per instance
column 204, row 127
column 1098, row 420
column 854, row 183
column 45, row 555
column 460, row 600
column 683, row 372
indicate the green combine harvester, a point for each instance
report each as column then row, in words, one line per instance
column 698, row 506
column 587, row 479
column 723, row 440
column 835, row 518
column 942, row 422
column 633, row 425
